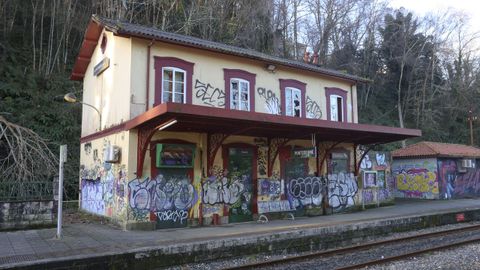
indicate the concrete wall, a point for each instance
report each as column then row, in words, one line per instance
column 416, row 178
column 19, row 215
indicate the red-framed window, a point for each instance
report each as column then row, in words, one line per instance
column 239, row 89
column 173, row 80
column 336, row 104
column 292, row 93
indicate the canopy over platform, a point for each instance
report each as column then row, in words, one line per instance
column 195, row 118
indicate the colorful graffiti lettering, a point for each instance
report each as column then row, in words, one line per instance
column 92, row 197
column 225, row 190
column 161, row 194
column 306, row 191
column 416, row 182
column 313, row 109
column 272, row 103
column 342, row 189
column 384, row 194
column 269, row 187
column 467, row 185
column 209, row 95
column 368, row 196
column 274, row 206
column 172, row 216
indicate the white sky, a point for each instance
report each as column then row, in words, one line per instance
column 422, row 7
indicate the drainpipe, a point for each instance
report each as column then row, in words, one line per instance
column 351, row 101
column 147, row 96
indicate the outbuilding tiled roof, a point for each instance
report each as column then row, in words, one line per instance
column 436, row 149
column 134, row 30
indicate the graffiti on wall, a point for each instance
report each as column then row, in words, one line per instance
column 416, row 178
column 262, row 161
column 416, row 182
column 306, row 191
column 368, row 196
column 313, row 109
column 342, row 189
column 102, row 188
column 447, row 176
column 467, row 184
column 168, row 198
column 272, row 103
column 209, row 95
column 224, row 190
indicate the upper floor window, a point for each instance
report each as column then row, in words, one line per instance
column 336, row 108
column 173, row 85
column 239, row 94
column 173, row 80
column 336, row 104
column 239, row 89
column 293, row 102
column 293, row 96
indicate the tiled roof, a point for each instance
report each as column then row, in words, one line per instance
column 436, row 149
column 128, row 29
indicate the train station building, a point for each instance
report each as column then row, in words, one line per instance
column 190, row 132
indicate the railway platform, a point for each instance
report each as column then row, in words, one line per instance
column 97, row 246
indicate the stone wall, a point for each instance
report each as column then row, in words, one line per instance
column 20, row 215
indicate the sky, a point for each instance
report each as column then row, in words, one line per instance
column 422, row 7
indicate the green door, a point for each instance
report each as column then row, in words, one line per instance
column 240, row 175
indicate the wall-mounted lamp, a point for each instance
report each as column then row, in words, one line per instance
column 271, row 68
column 167, row 124
column 71, row 98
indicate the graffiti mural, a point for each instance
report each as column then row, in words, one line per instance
column 313, row 109
column 169, row 198
column 102, row 187
column 446, row 178
column 262, row 161
column 209, row 95
column 227, row 191
column 467, row 184
column 416, row 178
column 342, row 189
column 306, row 191
column 272, row 103
column 92, row 197
column 368, row 196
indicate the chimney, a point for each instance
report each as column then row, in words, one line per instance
column 315, row 58
column 306, row 57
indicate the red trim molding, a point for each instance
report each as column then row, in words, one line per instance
column 161, row 62
column 284, row 83
column 103, row 133
column 340, row 92
column 241, row 74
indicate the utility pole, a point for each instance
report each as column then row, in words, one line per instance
column 470, row 119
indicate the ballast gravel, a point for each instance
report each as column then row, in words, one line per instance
column 465, row 257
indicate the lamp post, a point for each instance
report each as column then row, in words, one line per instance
column 71, row 98
column 470, row 119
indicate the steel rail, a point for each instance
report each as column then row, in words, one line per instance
column 409, row 254
column 355, row 248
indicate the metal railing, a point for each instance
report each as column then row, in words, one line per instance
column 26, row 191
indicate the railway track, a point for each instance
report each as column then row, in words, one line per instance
column 453, row 237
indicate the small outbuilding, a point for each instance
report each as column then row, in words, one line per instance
column 432, row 170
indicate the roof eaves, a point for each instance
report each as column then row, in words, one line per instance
column 122, row 29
